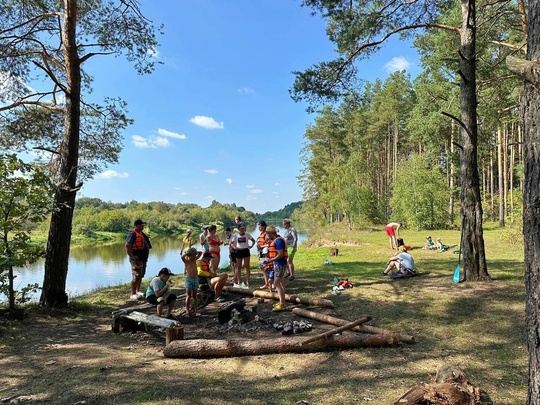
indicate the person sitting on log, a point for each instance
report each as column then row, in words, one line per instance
column 216, row 280
column 159, row 293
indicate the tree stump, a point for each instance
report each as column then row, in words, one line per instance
column 451, row 387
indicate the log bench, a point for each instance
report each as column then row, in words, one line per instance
column 173, row 328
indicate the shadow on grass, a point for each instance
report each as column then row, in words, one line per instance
column 479, row 326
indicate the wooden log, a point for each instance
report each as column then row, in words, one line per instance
column 153, row 320
column 204, row 348
column 174, row 333
column 334, row 331
column 360, row 328
column 123, row 311
column 321, row 302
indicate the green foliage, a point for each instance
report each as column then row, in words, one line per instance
column 420, row 195
column 93, row 216
column 25, row 199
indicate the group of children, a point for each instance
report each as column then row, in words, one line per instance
column 195, row 264
column 437, row 245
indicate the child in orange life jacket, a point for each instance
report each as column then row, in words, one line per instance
column 189, row 257
column 216, row 280
column 267, row 268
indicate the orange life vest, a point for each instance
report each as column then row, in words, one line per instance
column 203, row 268
column 261, row 240
column 139, row 241
column 273, row 252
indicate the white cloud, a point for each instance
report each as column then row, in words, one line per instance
column 398, row 63
column 206, row 122
column 112, row 174
column 153, row 52
column 229, row 181
column 211, row 171
column 169, row 134
column 151, row 142
column 256, row 191
column 246, row 90
column 250, row 186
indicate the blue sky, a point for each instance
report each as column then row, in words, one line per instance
column 215, row 121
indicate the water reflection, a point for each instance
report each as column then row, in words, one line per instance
column 92, row 267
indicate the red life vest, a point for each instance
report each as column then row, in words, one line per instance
column 273, row 252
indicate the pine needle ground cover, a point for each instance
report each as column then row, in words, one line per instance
column 63, row 357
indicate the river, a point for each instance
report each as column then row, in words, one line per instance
column 92, row 267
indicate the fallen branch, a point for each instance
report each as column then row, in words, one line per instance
column 339, row 322
column 334, row 331
column 204, row 348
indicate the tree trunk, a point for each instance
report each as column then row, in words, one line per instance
column 530, row 114
column 472, row 246
column 451, row 177
column 501, row 174
column 227, row 348
column 57, row 254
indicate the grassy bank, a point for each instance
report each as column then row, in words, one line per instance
column 478, row 326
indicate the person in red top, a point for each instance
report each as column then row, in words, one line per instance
column 138, row 248
column 214, row 244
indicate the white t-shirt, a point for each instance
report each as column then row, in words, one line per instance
column 242, row 241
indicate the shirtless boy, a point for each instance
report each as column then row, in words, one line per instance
column 189, row 257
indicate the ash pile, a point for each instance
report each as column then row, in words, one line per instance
column 241, row 318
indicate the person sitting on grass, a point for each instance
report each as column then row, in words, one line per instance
column 159, row 293
column 189, row 258
column 402, row 263
column 430, row 245
column 216, row 280
column 441, row 246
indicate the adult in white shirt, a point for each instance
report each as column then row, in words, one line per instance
column 240, row 243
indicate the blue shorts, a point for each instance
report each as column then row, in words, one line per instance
column 270, row 274
column 280, row 270
column 192, row 283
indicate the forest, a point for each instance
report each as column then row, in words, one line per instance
column 96, row 219
column 390, row 149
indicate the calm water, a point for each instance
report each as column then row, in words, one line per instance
column 101, row 266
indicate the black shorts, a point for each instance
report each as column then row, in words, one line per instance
column 152, row 299
column 242, row 253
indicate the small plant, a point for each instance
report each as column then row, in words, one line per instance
column 22, row 296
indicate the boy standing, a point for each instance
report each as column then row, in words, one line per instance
column 189, row 257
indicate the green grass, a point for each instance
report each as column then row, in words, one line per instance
column 477, row 326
